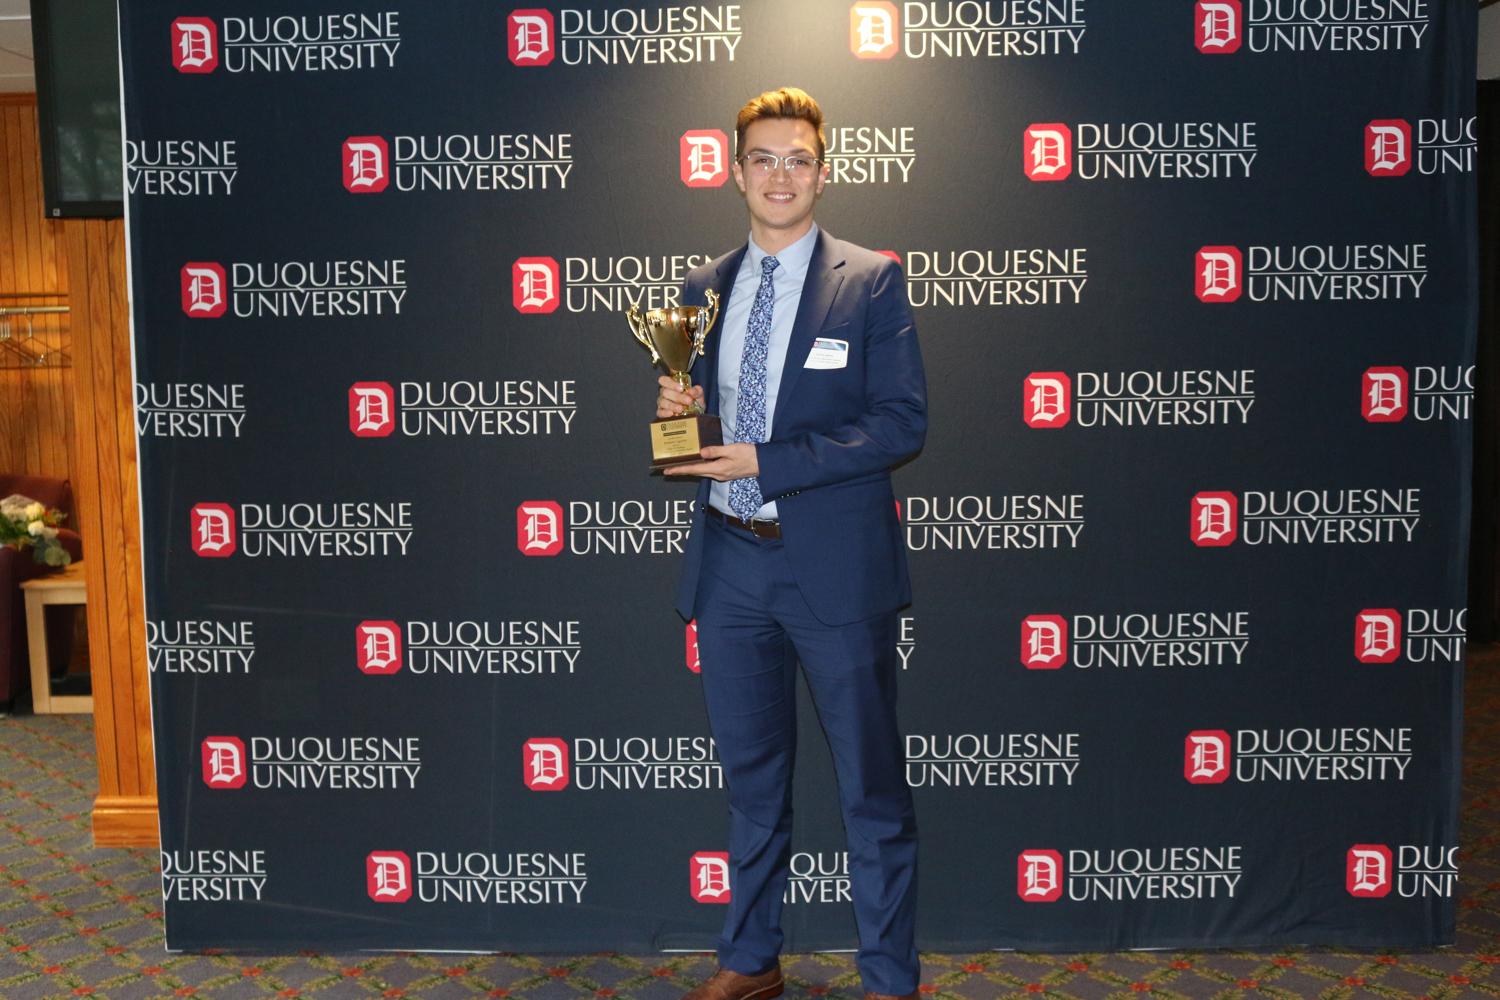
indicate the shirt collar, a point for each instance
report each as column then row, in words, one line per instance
column 792, row 259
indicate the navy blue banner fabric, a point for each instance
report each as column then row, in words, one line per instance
column 1195, row 288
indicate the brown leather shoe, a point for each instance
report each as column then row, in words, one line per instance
column 887, row 996
column 725, row 984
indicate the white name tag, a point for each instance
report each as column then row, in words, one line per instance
column 828, row 353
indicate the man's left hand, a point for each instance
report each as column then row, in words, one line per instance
column 722, row 462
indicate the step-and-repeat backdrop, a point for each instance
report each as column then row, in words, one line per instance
column 1195, row 289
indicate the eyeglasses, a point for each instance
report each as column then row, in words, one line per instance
column 797, row 164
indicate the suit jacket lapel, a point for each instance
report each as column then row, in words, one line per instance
column 818, row 292
column 723, row 284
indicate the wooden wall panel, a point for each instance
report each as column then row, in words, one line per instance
column 36, row 422
column 78, row 422
column 33, row 258
column 36, row 405
column 125, row 812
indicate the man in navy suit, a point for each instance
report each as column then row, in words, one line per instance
column 796, row 550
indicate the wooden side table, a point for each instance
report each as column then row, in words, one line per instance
column 64, row 587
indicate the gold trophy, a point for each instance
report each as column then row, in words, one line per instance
column 675, row 337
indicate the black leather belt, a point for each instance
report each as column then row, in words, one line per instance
column 760, row 529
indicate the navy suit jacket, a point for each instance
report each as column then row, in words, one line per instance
column 835, row 434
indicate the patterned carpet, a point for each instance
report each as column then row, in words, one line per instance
column 76, row 921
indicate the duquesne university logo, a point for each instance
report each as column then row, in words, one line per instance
column 463, row 407
column 318, row 764
column 635, row 763
column 388, row 876
column 1351, row 272
column 1047, row 151
column 539, row 528
column 301, row 529
column 1215, row 518
column 818, row 877
column 708, row 877
column 372, row 409
column 613, row 527
column 484, row 878
column 1221, row 26
column 994, row 522
column 1377, row 635
column 530, row 37
column 1300, row 753
column 1357, row 516
column 224, row 762
column 1383, row 395
column 1115, row 875
column 993, row 760
column 1431, row 635
column 1048, row 399
column 536, row 285
column 870, row 155
column 457, row 162
column 1217, row 26
column 284, row 289
column 1368, row 871
column 1430, row 392
column 1218, row 274
column 181, row 167
column 1393, row 146
column 600, row 282
column 1371, row 871
column 213, row 875
column 1039, row 876
column 195, row 45
column 1035, row 276
column 1387, row 147
column 1044, row 642
column 470, row 648
column 545, row 764
column 213, row 529
column 1186, row 396
column 367, row 161
column 693, row 662
column 378, row 647
column 624, row 36
column 874, row 30
column 704, row 153
column 1205, row 757
column 194, row 647
column 268, row 43
column 1155, row 639
column 204, row 288
column 956, row 31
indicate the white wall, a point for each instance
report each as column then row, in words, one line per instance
column 15, row 46
column 1489, row 42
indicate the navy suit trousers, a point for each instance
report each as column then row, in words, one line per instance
column 753, row 627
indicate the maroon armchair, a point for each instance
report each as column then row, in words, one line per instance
column 16, row 568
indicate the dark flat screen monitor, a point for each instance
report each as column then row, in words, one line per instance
column 78, row 107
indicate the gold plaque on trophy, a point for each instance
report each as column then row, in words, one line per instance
column 675, row 338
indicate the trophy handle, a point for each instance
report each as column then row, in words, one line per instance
column 637, row 327
column 713, row 314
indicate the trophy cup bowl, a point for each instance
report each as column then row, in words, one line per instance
column 675, row 338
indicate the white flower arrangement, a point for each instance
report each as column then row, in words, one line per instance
column 25, row 523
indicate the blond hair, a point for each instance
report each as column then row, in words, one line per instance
column 788, row 102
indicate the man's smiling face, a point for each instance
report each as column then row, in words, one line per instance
column 778, row 200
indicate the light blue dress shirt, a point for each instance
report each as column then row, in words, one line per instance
column 786, row 281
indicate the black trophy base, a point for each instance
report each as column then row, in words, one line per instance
column 677, row 440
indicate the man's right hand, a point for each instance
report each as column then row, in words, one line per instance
column 673, row 402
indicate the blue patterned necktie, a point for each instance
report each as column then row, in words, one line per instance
column 750, row 408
